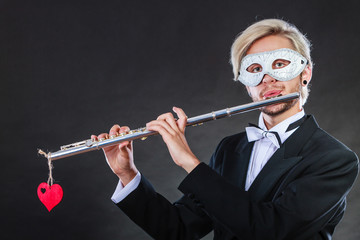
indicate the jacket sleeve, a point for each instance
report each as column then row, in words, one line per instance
column 301, row 208
column 162, row 219
column 185, row 219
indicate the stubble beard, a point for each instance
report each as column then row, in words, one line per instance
column 280, row 108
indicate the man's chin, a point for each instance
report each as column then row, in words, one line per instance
column 277, row 109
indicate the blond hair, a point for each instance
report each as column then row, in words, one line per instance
column 265, row 28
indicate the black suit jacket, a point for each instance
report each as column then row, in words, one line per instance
column 299, row 194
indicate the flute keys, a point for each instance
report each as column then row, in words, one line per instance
column 89, row 142
column 72, row 145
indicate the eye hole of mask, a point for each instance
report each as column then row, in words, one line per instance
column 254, row 68
column 280, row 63
column 277, row 64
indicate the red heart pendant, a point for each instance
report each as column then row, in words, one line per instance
column 50, row 196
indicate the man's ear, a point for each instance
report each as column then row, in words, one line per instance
column 306, row 75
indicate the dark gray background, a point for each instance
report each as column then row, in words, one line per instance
column 74, row 68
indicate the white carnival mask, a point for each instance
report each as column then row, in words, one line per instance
column 282, row 64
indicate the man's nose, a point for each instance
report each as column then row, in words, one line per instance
column 268, row 79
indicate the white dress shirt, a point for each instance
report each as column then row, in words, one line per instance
column 263, row 149
column 261, row 153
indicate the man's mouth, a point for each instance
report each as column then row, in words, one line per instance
column 272, row 94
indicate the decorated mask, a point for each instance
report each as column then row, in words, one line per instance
column 282, row 64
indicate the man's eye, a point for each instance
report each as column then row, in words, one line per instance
column 254, row 68
column 280, row 63
column 257, row 69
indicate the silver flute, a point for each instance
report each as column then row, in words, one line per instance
column 142, row 133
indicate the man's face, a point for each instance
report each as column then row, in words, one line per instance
column 270, row 87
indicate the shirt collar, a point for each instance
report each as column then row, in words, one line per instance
column 281, row 127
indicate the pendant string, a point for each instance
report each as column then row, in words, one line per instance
column 50, row 180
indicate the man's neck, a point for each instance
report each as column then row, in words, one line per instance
column 272, row 121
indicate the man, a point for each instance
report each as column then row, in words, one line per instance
column 286, row 179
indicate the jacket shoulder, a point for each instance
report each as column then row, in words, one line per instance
column 329, row 153
column 228, row 146
column 233, row 140
column 324, row 142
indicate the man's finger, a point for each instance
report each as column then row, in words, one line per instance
column 181, row 122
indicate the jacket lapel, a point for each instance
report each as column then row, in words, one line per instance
column 236, row 171
column 283, row 159
column 271, row 173
column 244, row 157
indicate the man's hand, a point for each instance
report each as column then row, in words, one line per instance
column 172, row 132
column 119, row 157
